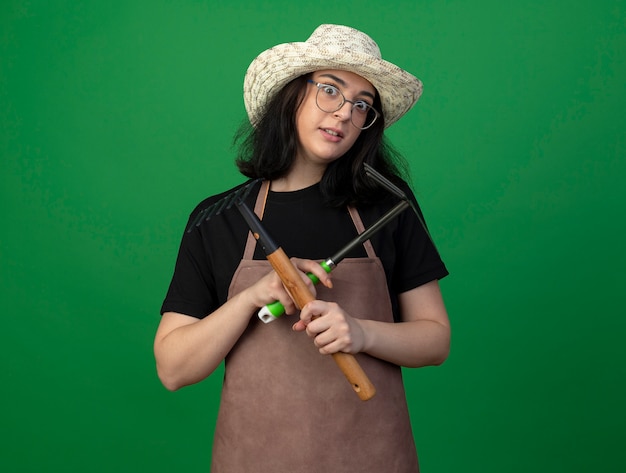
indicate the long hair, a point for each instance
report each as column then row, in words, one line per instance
column 268, row 150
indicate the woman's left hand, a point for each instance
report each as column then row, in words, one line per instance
column 331, row 328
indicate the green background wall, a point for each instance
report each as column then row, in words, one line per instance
column 117, row 117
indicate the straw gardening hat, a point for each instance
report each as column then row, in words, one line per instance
column 329, row 47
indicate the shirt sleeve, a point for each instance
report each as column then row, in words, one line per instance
column 413, row 259
column 192, row 288
column 422, row 262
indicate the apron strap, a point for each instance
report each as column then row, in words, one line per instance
column 360, row 228
column 259, row 207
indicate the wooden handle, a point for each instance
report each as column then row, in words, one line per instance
column 301, row 295
column 291, row 278
column 351, row 369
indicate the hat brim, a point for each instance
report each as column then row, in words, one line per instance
column 277, row 66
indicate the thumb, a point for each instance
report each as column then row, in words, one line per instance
column 299, row 326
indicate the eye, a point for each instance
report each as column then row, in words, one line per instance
column 361, row 106
column 329, row 90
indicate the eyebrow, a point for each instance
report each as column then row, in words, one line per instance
column 343, row 84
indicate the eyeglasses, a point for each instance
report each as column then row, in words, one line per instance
column 329, row 99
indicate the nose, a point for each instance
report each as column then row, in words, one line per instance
column 344, row 112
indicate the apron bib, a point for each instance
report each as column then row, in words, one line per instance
column 285, row 408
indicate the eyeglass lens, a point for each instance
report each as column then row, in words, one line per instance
column 330, row 99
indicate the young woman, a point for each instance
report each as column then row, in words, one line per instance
column 317, row 111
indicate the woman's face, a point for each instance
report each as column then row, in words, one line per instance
column 324, row 137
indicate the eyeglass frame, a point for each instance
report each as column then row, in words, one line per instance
column 354, row 103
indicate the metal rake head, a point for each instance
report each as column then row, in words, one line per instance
column 236, row 197
column 383, row 181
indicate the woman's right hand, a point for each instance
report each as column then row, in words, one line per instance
column 188, row 349
column 270, row 288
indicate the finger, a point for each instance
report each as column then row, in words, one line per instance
column 309, row 312
column 335, row 346
column 309, row 284
column 276, row 292
column 310, row 266
column 332, row 341
column 299, row 326
column 313, row 310
column 288, row 304
column 327, row 342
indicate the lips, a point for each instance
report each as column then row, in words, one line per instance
column 333, row 132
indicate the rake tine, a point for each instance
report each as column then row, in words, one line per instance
column 242, row 193
column 196, row 221
column 224, row 203
column 383, row 181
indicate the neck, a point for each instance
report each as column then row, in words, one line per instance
column 299, row 177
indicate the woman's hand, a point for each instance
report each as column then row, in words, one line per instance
column 270, row 288
column 421, row 338
column 188, row 349
column 331, row 328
